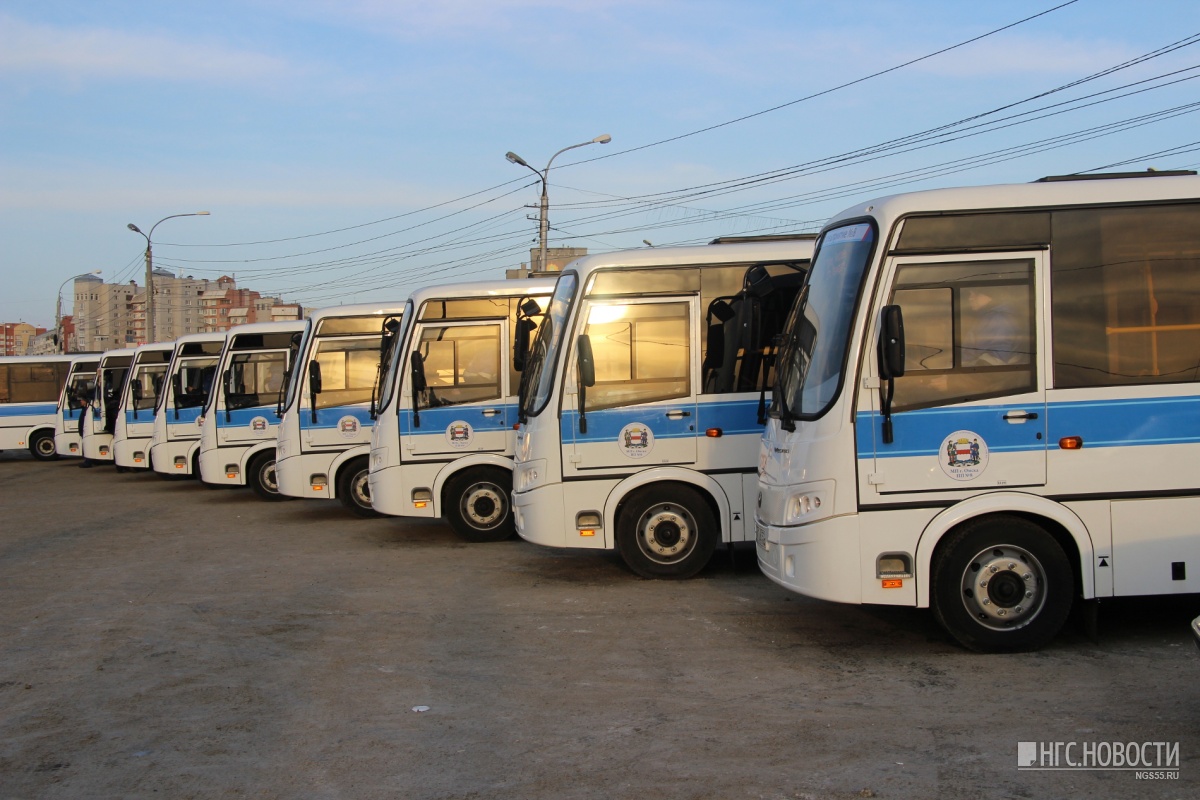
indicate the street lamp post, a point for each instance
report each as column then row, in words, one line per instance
column 58, row 307
column 544, row 176
column 150, row 327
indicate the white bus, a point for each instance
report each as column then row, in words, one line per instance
column 325, row 434
column 642, row 399
column 175, row 448
column 988, row 403
column 443, row 439
column 134, row 426
column 237, row 436
column 30, row 387
column 101, row 419
column 73, row 403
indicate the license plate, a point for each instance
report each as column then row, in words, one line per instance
column 760, row 532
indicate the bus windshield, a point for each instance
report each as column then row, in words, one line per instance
column 299, row 343
column 395, row 358
column 538, row 378
column 818, row 331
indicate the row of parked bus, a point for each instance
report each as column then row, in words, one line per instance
column 982, row 400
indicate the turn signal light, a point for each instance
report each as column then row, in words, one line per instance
column 1071, row 443
column 587, row 522
column 892, row 583
column 421, row 498
column 714, row 433
column 318, row 482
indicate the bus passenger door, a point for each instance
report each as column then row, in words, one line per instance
column 342, row 394
column 969, row 412
column 640, row 410
column 461, row 409
column 249, row 389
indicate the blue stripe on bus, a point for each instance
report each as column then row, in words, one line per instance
column 327, row 418
column 1100, row 423
column 28, row 409
column 733, row 417
column 185, row 415
column 436, row 420
column 241, row 417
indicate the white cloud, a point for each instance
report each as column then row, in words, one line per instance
column 81, row 54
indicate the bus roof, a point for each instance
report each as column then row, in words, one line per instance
column 282, row 326
column 509, row 288
column 1041, row 194
column 215, row 336
column 730, row 253
column 359, row 310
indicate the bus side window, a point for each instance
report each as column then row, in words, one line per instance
column 642, row 353
column 969, row 332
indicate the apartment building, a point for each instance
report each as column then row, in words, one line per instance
column 16, row 338
column 111, row 316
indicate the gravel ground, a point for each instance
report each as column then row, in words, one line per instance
column 161, row 639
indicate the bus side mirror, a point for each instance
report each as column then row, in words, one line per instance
column 891, row 360
column 417, row 370
column 587, row 366
column 521, row 343
column 314, row 377
column 891, row 343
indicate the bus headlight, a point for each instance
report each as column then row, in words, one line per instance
column 529, row 475
column 810, row 503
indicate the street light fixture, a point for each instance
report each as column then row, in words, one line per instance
column 58, row 307
column 544, row 176
column 150, row 327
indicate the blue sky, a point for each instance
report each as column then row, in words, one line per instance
column 354, row 150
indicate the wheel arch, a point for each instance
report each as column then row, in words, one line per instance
column 709, row 489
column 344, row 458
column 459, row 465
column 1056, row 519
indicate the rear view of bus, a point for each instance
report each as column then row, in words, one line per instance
column 443, row 439
column 175, row 449
column 237, row 440
column 988, row 403
column 325, row 433
column 72, row 405
column 30, row 387
column 134, row 428
column 101, row 420
column 642, row 399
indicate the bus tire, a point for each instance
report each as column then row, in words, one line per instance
column 260, row 474
column 666, row 531
column 353, row 488
column 478, row 504
column 41, row 446
column 1001, row 584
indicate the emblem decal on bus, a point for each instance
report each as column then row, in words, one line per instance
column 636, row 440
column 963, row 455
column 259, row 425
column 348, row 427
column 459, row 433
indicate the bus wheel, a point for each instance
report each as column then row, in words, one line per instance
column 41, row 445
column 1001, row 584
column 666, row 532
column 478, row 504
column 354, row 489
column 261, row 476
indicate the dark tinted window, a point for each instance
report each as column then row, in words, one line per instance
column 1126, row 295
column 974, row 232
column 342, row 326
